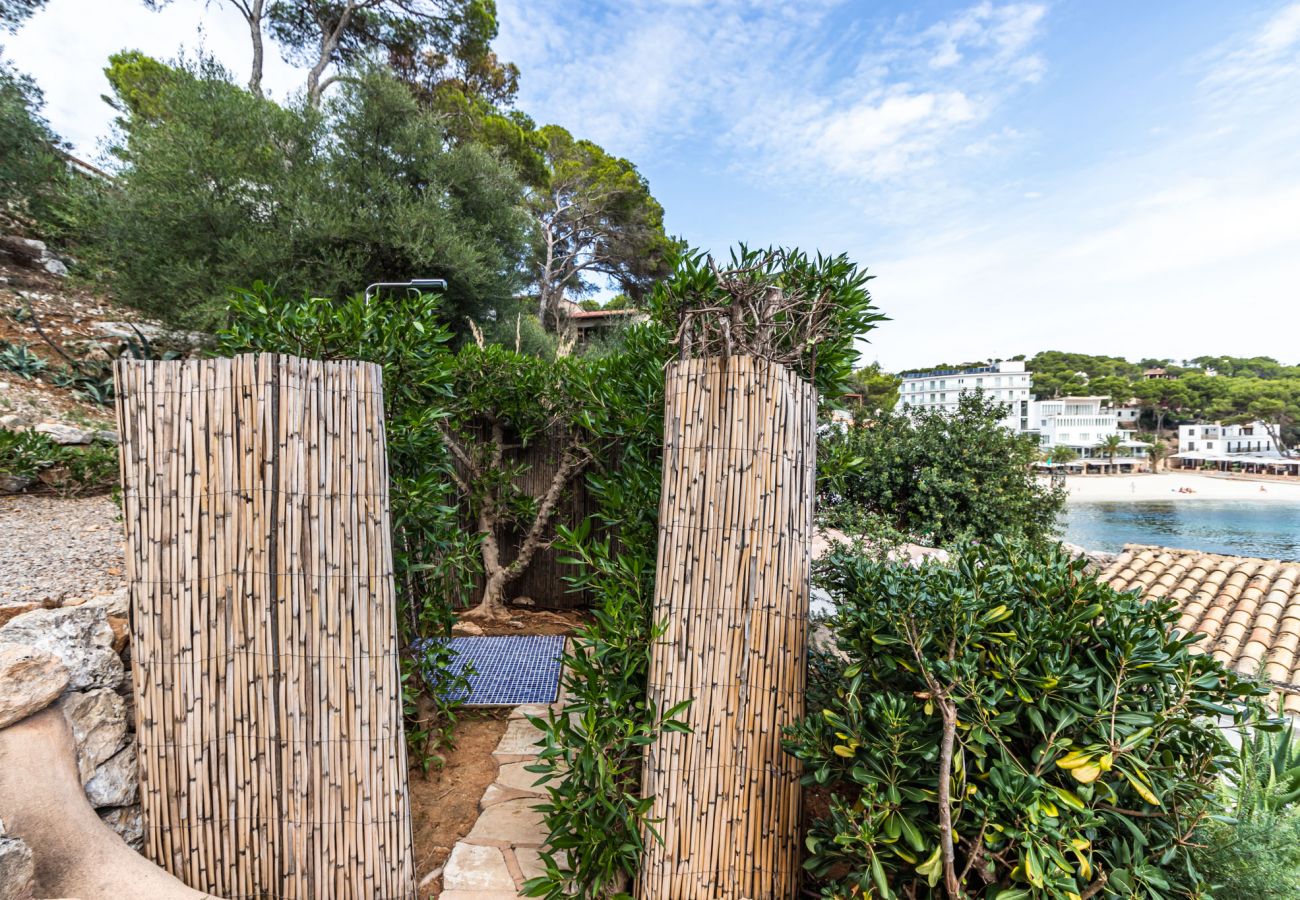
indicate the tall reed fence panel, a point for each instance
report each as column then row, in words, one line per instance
column 263, row 634
column 735, row 525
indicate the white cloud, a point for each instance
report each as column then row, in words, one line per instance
column 1259, row 60
column 784, row 93
column 1186, row 245
column 66, row 46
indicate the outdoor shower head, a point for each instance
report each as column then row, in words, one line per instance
column 417, row 284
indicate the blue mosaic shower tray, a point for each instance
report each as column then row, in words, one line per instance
column 510, row 670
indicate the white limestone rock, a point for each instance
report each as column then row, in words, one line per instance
column 116, row 782
column 30, row 680
column 98, row 722
column 79, row 636
column 116, row 603
column 65, row 434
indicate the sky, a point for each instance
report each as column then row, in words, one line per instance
column 1100, row 177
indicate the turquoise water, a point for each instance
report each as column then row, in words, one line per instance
column 1237, row 527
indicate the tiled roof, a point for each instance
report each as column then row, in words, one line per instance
column 1248, row 609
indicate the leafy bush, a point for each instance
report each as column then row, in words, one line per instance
column 939, row 477
column 1008, row 726
column 435, row 559
column 1252, row 850
column 67, row 471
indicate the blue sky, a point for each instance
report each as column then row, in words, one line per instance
column 1104, row 177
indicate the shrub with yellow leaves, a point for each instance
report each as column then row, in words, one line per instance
column 1005, row 726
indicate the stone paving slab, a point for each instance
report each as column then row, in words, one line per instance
column 519, row 742
column 476, row 868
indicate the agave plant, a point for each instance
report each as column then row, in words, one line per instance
column 17, row 358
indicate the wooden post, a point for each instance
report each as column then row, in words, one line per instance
column 734, row 564
column 264, row 630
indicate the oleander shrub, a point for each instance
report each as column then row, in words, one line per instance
column 1006, row 726
column 591, row 759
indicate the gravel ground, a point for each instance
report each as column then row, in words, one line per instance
column 56, row 549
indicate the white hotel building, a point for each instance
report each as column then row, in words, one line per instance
column 1080, row 423
column 1005, row 382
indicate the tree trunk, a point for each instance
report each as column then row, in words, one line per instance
column 492, row 606
column 254, row 17
column 499, row 577
column 949, row 713
column 328, row 44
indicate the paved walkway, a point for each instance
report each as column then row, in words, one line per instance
column 501, row 851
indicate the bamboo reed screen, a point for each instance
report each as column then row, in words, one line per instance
column 264, row 641
column 735, row 524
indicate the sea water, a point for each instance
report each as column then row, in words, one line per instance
column 1268, row 529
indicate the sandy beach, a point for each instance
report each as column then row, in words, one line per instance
column 1146, row 487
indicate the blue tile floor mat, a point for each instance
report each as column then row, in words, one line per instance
column 509, row 670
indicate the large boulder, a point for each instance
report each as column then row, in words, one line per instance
column 116, row 782
column 17, row 871
column 117, row 603
column 66, row 434
column 79, row 636
column 98, row 722
column 30, row 680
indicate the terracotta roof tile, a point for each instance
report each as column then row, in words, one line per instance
column 1247, row 609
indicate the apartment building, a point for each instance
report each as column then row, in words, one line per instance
column 1006, row 382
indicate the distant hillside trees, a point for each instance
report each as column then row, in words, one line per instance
column 878, row 389
column 1229, row 389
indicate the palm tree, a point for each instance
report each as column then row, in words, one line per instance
column 1157, row 451
column 1062, row 454
column 1111, row 444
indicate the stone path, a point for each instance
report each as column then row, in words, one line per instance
column 501, row 851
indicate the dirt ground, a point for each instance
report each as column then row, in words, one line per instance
column 538, row 621
column 444, row 804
